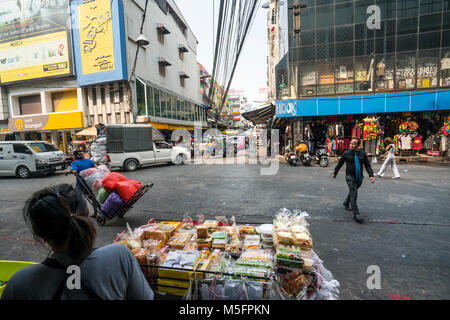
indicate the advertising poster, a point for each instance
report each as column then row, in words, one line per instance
column 34, row 39
column 99, row 48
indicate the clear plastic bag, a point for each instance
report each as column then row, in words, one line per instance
column 192, row 291
column 243, row 289
column 214, row 291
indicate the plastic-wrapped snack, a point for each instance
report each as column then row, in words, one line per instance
column 204, row 243
column 202, row 232
column 191, row 245
column 152, row 244
column 179, row 240
column 187, row 223
column 219, row 243
column 294, row 260
column 141, row 255
column 257, row 254
column 252, row 237
column 234, row 247
column 243, row 230
column 303, row 240
column 283, row 237
column 211, row 225
column 219, row 235
column 153, row 233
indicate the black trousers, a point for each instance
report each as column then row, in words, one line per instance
column 352, row 197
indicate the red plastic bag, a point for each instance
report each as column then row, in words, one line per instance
column 127, row 188
column 111, row 179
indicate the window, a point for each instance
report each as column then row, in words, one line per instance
column 363, row 48
column 181, row 54
column 445, row 67
column 182, row 81
column 162, row 145
column 162, row 69
column 362, row 80
column 344, row 76
column 43, row 147
column 163, row 99
column 431, row 22
column 307, row 19
column 307, row 53
column 325, row 35
column 429, row 40
column 344, row 13
column 446, row 39
column 429, row 6
column 384, row 74
column 30, row 104
column 362, row 32
column 179, row 109
column 407, row 8
column 361, row 10
column 65, row 101
column 140, row 97
column 307, row 38
column 407, row 43
column 160, row 33
column 406, row 71
column 405, row 26
column 156, row 96
column 20, row 148
column 388, row 9
column 325, row 51
column 325, row 16
column 387, row 29
column 344, row 49
column 385, row 45
column 150, row 103
column 344, row 33
column 446, row 24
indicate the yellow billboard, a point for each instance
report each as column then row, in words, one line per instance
column 96, row 37
column 54, row 121
column 36, row 57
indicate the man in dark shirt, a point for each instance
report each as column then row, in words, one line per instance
column 354, row 175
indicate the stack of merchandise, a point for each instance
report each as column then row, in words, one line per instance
column 293, row 256
column 99, row 150
column 225, row 260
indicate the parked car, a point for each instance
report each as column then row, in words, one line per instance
column 162, row 152
column 24, row 158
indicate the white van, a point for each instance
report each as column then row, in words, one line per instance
column 162, row 152
column 23, row 158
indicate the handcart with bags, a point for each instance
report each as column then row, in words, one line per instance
column 102, row 216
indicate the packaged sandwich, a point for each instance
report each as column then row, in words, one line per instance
column 303, row 240
column 219, row 235
column 247, row 230
column 284, row 237
column 219, row 243
column 203, row 243
column 252, row 244
column 211, row 225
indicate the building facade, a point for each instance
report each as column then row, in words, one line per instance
column 375, row 63
column 72, row 64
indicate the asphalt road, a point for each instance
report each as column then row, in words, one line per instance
column 406, row 235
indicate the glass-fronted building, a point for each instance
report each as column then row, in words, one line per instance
column 335, row 53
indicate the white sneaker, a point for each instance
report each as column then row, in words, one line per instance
column 395, row 177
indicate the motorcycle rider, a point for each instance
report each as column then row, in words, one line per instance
column 354, row 175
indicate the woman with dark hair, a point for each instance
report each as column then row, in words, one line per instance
column 390, row 152
column 57, row 218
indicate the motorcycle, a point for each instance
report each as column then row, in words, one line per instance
column 291, row 157
column 306, row 159
column 321, row 157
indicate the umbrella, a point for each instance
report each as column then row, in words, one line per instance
column 92, row 131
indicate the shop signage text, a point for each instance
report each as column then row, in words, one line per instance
column 288, row 108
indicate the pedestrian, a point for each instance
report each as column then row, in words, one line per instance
column 390, row 152
column 107, row 273
column 354, row 175
column 80, row 163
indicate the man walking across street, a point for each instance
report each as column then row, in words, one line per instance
column 354, row 159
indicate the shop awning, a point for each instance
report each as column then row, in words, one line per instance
column 92, row 131
column 183, row 75
column 261, row 115
column 163, row 61
column 436, row 100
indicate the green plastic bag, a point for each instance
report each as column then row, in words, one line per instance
column 102, row 195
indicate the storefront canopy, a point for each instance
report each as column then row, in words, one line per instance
column 92, row 131
column 261, row 115
column 437, row 100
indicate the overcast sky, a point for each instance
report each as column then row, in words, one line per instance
column 251, row 71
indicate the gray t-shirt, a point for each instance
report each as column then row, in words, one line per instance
column 112, row 272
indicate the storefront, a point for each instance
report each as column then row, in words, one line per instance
column 418, row 122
